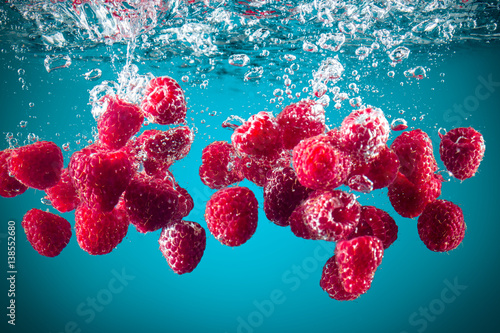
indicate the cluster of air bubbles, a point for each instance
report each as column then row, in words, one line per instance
column 331, row 41
column 58, row 61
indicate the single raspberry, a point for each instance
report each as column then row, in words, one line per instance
column 63, row 196
column 319, row 165
column 415, row 154
column 357, row 261
column 100, row 176
column 299, row 121
column 150, row 203
column 99, row 232
column 47, row 233
column 182, row 243
column 462, row 150
column 332, row 284
column 119, row 122
column 409, row 199
column 231, row 215
column 37, row 165
column 185, row 203
column 169, row 146
column 9, row 186
column 326, row 215
column 258, row 136
column 365, row 132
column 376, row 222
column 256, row 169
column 441, row 226
column 164, row 102
column 282, row 194
column 220, row 165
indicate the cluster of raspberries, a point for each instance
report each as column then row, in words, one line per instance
column 118, row 180
column 301, row 165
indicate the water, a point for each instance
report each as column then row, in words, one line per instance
column 426, row 64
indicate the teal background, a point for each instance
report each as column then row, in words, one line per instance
column 232, row 288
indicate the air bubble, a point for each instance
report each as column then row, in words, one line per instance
column 31, row 104
column 21, row 71
column 23, row 123
column 65, row 146
column 399, row 124
column 277, row 92
column 45, row 201
column 355, row 102
column 290, row 57
column 390, row 73
column 239, row 60
column 93, row 75
column 52, row 63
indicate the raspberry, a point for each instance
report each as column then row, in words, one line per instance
column 365, row 132
column 185, row 203
column 332, row 284
column 100, row 176
column 409, row 199
column 441, row 226
column 47, row 233
column 299, row 121
column 118, row 123
column 63, row 195
column 258, row 136
column 231, row 215
column 326, row 215
column 182, row 243
column 220, row 165
column 414, row 150
column 319, row 165
column 99, row 232
column 282, row 194
column 150, row 203
column 462, row 150
column 164, row 102
column 256, row 169
column 169, row 146
column 37, row 165
column 357, row 261
column 9, row 186
column 378, row 223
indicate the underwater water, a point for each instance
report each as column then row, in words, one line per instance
column 432, row 63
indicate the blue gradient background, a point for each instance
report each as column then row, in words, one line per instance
column 230, row 285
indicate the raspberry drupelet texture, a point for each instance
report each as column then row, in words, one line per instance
column 169, row 146
column 232, row 214
column 256, row 169
column 462, row 150
column 164, row 102
column 299, row 121
column 118, row 123
column 320, row 165
column 182, row 243
column 63, row 196
column 47, row 233
column 376, row 222
column 37, row 165
column 282, row 194
column 220, row 165
column 441, row 226
column 9, row 186
column 99, row 232
column 326, row 215
column 332, row 283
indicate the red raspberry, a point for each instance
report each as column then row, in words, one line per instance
column 376, row 222
column 9, row 186
column 282, row 194
column 150, row 203
column 326, row 215
column 441, row 226
column 169, row 146
column 365, row 132
column 37, row 165
column 99, row 232
column 414, row 150
column 100, row 176
column 220, row 165
column 258, row 136
column 185, row 205
column 332, row 284
column 319, row 165
column 256, row 169
column 164, row 101
column 182, row 243
column 462, row 150
column 299, row 121
column 47, row 233
column 357, row 261
column 63, row 196
column 231, row 215
column 119, row 122
column 409, row 199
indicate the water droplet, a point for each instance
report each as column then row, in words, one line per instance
column 399, row 124
column 93, row 74
column 52, row 63
column 239, row 60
